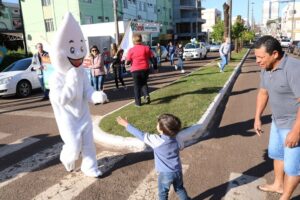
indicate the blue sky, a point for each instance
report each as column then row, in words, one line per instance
column 239, row 7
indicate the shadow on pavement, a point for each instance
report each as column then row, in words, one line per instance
column 218, row 192
column 242, row 91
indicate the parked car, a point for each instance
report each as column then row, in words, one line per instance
column 164, row 52
column 285, row 43
column 19, row 78
column 214, row 47
column 192, row 50
column 296, row 50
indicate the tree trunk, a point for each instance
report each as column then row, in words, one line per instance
column 226, row 19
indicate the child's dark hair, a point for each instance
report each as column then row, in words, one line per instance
column 169, row 124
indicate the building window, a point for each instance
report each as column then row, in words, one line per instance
column 140, row 6
column 87, row 1
column 87, row 19
column 46, row 2
column 134, row 1
column 49, row 25
column 145, row 6
column 125, row 3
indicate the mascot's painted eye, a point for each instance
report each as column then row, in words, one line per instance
column 72, row 50
column 81, row 49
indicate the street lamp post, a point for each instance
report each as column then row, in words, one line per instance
column 252, row 18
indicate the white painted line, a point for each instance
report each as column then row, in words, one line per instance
column 74, row 183
column 148, row 190
column 27, row 165
column 41, row 114
column 4, row 135
column 244, row 187
column 17, row 145
column 28, row 113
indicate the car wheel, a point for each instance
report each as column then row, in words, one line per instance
column 23, row 89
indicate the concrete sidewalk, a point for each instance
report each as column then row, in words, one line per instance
column 232, row 161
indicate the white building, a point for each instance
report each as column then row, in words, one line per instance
column 210, row 15
column 270, row 10
column 142, row 10
column 286, row 21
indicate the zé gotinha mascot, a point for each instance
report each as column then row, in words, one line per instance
column 70, row 92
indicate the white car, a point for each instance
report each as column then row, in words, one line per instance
column 194, row 51
column 285, row 43
column 19, row 78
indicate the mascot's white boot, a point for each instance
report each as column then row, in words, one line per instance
column 70, row 92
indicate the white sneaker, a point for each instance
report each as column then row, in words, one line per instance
column 182, row 71
column 176, row 67
column 219, row 65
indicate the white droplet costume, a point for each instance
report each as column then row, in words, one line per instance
column 70, row 92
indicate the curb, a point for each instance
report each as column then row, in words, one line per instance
column 189, row 135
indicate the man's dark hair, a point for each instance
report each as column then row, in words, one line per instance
column 270, row 43
column 169, row 124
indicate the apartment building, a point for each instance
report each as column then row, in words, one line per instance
column 42, row 17
column 10, row 21
column 210, row 16
column 187, row 19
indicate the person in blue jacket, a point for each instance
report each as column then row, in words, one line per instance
column 166, row 153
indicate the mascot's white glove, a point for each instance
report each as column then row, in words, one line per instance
column 99, row 97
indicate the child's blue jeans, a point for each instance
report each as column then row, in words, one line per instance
column 165, row 180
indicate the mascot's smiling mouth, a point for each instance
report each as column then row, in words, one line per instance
column 76, row 62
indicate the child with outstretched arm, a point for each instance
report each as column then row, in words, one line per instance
column 166, row 153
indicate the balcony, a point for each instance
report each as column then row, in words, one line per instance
column 190, row 19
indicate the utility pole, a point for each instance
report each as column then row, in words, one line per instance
column 230, row 25
column 248, row 24
column 115, row 3
column 252, row 18
column 196, row 20
column 293, row 21
column 23, row 29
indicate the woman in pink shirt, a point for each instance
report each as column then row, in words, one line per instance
column 139, row 56
column 97, row 68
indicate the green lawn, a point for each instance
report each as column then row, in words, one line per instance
column 188, row 98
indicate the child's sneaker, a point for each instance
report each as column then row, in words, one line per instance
column 182, row 71
column 219, row 65
column 176, row 67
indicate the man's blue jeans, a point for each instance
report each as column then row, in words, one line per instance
column 165, row 180
column 41, row 79
column 224, row 61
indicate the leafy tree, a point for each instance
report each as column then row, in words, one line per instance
column 248, row 36
column 218, row 31
column 237, row 32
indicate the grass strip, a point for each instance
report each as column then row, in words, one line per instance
column 188, row 98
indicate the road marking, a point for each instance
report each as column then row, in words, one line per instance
column 17, row 145
column 148, row 190
column 4, row 135
column 28, row 113
column 74, row 183
column 242, row 187
column 27, row 165
column 40, row 114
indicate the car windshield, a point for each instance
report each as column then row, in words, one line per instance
column 191, row 46
column 19, row 65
